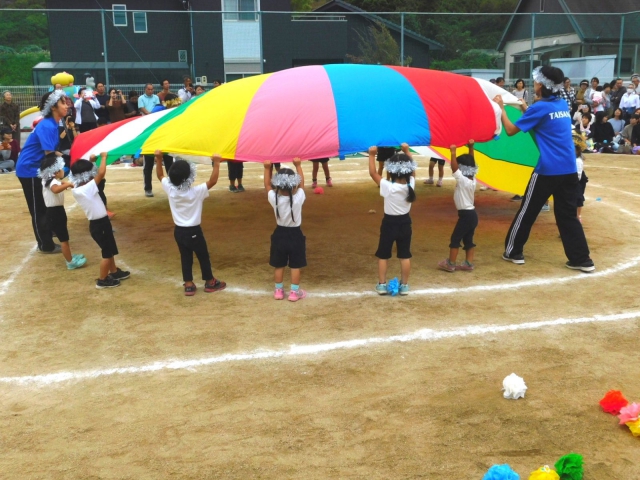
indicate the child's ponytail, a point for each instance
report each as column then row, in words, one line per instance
column 412, row 193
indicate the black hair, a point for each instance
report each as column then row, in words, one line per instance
column 518, row 81
column 552, row 73
column 599, row 88
column 112, row 89
column 285, row 171
column 565, row 79
column 81, row 166
column 402, row 157
column 499, row 79
column 49, row 160
column 218, row 81
column 133, row 93
column 165, row 80
column 170, row 96
column 596, row 79
column 467, row 160
column 43, row 102
column 636, row 116
column 147, row 84
column 600, row 116
column 584, row 82
column 179, row 172
column 80, row 90
column 6, row 131
column 100, row 83
column 586, row 115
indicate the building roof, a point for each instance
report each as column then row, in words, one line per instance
column 433, row 45
column 591, row 28
column 89, row 66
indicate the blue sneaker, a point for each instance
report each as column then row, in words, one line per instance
column 76, row 263
column 381, row 288
column 404, row 289
column 77, row 255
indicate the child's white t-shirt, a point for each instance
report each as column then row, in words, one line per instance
column 52, row 199
column 89, row 200
column 284, row 208
column 395, row 196
column 465, row 191
column 186, row 205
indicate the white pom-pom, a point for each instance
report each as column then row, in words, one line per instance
column 514, row 387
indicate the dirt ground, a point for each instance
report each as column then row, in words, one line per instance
column 362, row 395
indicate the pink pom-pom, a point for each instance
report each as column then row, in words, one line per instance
column 613, row 401
column 318, row 190
column 630, row 413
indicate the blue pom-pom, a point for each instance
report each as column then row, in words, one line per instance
column 598, row 199
column 393, row 286
column 341, row 157
column 496, row 137
column 501, row 472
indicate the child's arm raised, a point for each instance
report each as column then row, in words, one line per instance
column 102, row 169
column 454, row 160
column 267, row 174
column 509, row 127
column 158, row 159
column 470, row 144
column 62, row 187
column 298, row 164
column 407, row 151
column 373, row 171
column 215, row 162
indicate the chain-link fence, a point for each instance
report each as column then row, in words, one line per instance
column 128, row 48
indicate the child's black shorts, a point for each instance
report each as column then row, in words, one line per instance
column 57, row 219
column 582, row 185
column 235, row 170
column 320, row 160
column 102, row 233
column 395, row 228
column 385, row 153
column 465, row 228
column 288, row 247
column 434, row 160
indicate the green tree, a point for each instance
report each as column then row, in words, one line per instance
column 378, row 47
column 301, row 5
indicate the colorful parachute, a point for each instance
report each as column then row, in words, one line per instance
column 324, row 111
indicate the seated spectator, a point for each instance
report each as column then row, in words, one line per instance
column 164, row 89
column 9, row 150
column 602, row 133
column 132, row 105
column 617, row 122
column 626, row 134
column 199, row 90
column 582, row 111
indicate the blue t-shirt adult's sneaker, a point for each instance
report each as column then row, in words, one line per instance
column 43, row 138
column 550, row 121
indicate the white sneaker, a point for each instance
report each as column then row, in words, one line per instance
column 439, row 184
column 428, row 181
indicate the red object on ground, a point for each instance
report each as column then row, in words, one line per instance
column 613, row 401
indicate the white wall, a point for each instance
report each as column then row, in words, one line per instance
column 576, row 69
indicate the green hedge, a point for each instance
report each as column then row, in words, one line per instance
column 16, row 68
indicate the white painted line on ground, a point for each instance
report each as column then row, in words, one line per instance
column 614, row 190
column 536, row 282
column 425, row 334
column 4, row 286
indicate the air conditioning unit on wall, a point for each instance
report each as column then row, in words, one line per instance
column 182, row 56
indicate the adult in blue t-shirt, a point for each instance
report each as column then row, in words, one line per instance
column 555, row 174
column 43, row 140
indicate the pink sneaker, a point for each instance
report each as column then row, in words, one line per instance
column 329, row 182
column 447, row 266
column 314, row 184
column 278, row 294
column 294, row 296
column 465, row 266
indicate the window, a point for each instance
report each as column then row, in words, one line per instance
column 230, row 77
column 243, row 10
column 139, row 22
column 119, row 15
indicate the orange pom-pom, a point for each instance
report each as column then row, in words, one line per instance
column 613, row 401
